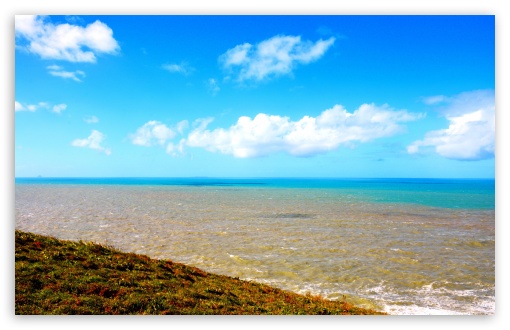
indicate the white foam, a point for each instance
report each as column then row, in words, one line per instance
column 433, row 301
column 417, row 310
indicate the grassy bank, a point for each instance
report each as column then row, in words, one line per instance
column 65, row 277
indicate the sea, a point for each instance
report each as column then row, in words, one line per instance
column 402, row 246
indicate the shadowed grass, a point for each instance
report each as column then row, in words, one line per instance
column 65, row 277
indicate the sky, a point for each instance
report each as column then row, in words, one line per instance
column 254, row 96
column 373, row 63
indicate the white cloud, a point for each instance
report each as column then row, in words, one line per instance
column 471, row 133
column 266, row 134
column 152, row 132
column 93, row 142
column 58, row 71
column 91, row 120
column 59, row 108
column 18, row 106
column 182, row 125
column 176, row 149
column 30, row 107
column 182, row 68
column 54, row 67
column 64, row 41
column 272, row 57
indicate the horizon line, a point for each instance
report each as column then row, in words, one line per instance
column 244, row 177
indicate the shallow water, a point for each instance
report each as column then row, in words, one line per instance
column 402, row 258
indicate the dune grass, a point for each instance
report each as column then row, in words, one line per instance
column 65, row 277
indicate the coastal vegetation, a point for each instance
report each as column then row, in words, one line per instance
column 66, row 277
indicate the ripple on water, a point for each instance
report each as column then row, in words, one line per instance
column 404, row 259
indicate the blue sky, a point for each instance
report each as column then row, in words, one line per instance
column 255, row 96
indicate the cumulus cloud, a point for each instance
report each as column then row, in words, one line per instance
column 471, row 132
column 182, row 68
column 267, row 134
column 152, row 132
column 93, row 141
column 66, row 42
column 155, row 133
column 176, row 149
column 59, row 71
column 59, row 108
column 272, row 57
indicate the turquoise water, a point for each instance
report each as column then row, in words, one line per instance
column 447, row 193
column 404, row 246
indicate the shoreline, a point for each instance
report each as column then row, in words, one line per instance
column 61, row 277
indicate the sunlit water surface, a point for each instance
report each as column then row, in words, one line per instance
column 402, row 258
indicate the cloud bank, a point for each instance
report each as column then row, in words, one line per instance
column 471, row 132
column 276, row 56
column 93, row 141
column 268, row 134
column 65, row 41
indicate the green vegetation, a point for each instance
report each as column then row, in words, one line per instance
column 65, row 277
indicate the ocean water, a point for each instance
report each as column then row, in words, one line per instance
column 404, row 246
